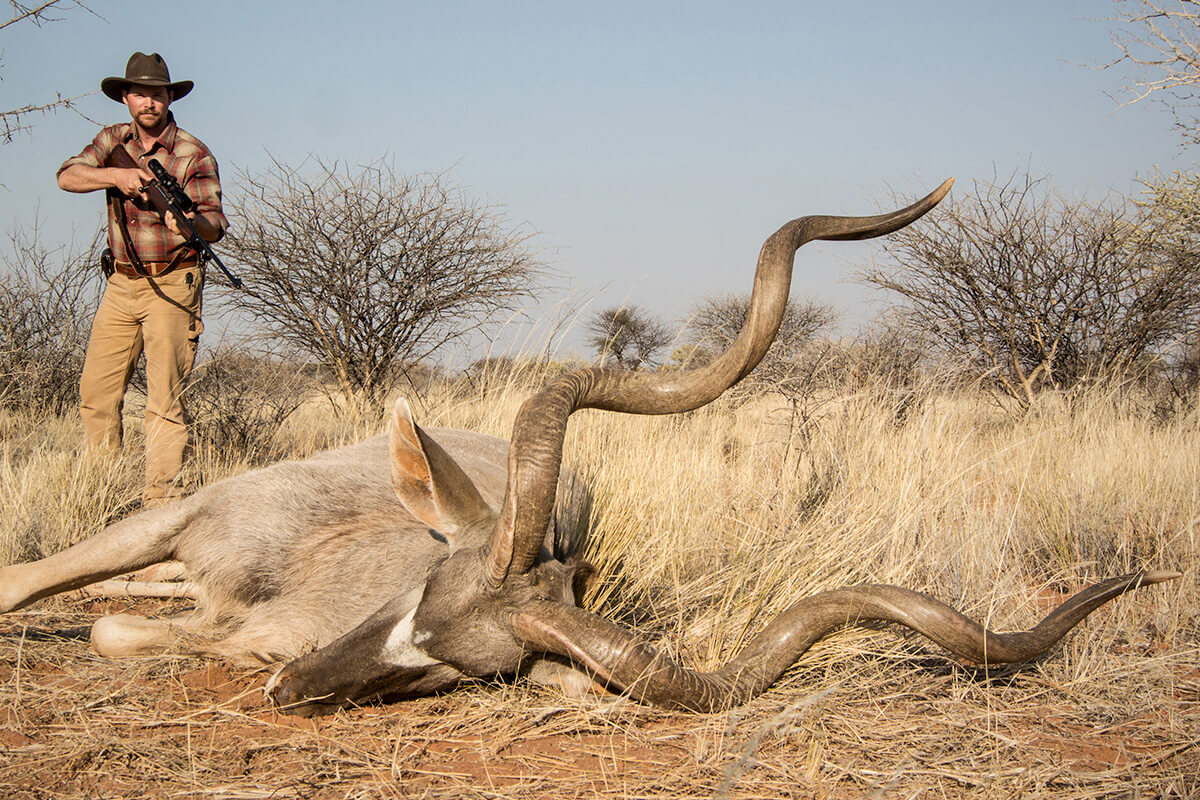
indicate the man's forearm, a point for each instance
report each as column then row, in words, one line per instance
column 85, row 178
column 82, row 178
column 209, row 231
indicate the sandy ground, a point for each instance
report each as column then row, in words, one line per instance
column 75, row 725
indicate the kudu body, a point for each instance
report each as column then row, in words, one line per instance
column 285, row 559
column 457, row 571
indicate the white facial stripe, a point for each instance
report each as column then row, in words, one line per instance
column 269, row 689
column 399, row 650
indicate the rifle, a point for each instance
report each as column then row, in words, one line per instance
column 165, row 194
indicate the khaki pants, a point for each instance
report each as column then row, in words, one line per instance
column 161, row 317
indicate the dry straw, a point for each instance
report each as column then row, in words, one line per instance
column 701, row 526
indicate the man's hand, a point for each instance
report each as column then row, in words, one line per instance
column 129, row 182
column 174, row 227
column 208, row 232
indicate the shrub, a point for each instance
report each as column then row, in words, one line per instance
column 47, row 299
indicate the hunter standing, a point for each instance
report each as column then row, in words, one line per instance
column 155, row 278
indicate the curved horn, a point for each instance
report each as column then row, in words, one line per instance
column 624, row 662
column 535, row 455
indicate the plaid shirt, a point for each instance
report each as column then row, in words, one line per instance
column 186, row 158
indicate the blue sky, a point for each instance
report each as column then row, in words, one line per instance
column 652, row 145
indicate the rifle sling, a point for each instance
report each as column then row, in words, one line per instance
column 118, row 205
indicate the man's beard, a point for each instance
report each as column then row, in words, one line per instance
column 150, row 119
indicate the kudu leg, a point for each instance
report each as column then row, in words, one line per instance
column 117, row 587
column 125, row 635
column 122, row 547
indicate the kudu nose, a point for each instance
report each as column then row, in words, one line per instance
column 286, row 694
column 281, row 690
column 278, row 689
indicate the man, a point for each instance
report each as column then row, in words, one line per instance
column 152, row 300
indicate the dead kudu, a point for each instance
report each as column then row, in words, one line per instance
column 450, row 532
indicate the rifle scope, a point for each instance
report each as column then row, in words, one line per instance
column 171, row 185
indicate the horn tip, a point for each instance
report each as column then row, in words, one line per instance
column 942, row 189
column 1159, row 576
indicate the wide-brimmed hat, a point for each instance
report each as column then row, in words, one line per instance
column 145, row 70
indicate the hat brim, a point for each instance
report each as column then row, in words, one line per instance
column 115, row 87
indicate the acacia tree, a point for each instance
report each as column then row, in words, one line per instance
column 1030, row 290
column 365, row 269
column 630, row 335
column 789, row 366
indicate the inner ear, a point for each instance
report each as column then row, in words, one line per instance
column 428, row 481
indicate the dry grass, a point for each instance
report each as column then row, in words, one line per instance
column 703, row 526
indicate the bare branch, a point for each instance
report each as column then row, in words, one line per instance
column 13, row 122
column 1160, row 42
column 37, row 13
column 367, row 270
column 47, row 298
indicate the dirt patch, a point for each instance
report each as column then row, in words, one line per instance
column 851, row 722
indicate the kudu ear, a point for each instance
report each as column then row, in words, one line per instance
column 429, row 482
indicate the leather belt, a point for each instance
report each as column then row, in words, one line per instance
column 153, row 268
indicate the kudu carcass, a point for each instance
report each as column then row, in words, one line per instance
column 297, row 556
